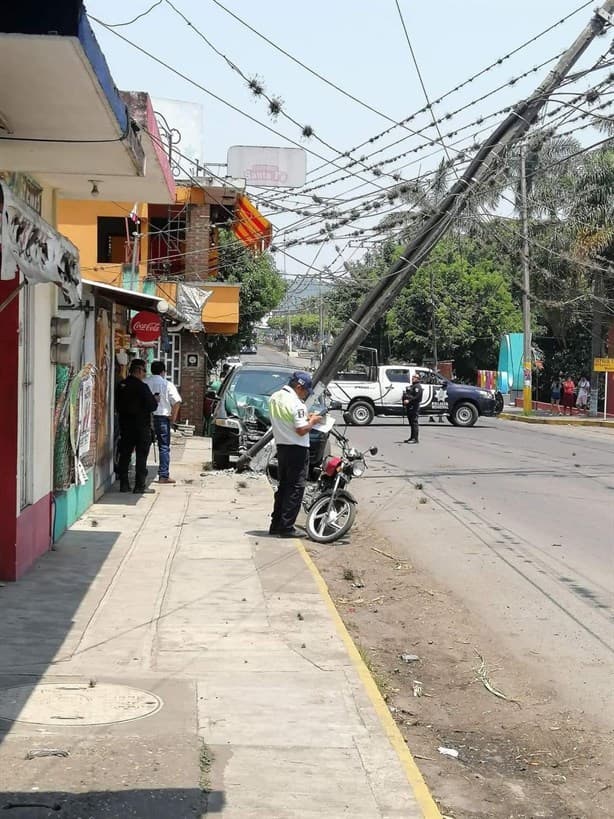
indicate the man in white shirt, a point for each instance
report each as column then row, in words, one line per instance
column 291, row 425
column 165, row 414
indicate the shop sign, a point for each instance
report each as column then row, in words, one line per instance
column 146, row 326
column 32, row 247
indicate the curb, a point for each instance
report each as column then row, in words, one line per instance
column 419, row 787
column 575, row 422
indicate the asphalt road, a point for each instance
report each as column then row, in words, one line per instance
column 519, row 526
column 271, row 355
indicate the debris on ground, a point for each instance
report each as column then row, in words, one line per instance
column 418, row 688
column 388, row 555
column 410, row 658
column 482, row 673
column 448, row 752
column 37, row 753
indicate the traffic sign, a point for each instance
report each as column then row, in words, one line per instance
column 603, row 365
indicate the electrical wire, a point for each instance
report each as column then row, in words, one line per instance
column 396, row 123
column 138, row 17
column 210, row 93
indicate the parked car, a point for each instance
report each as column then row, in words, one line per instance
column 249, row 349
column 233, row 361
column 378, row 390
column 241, row 412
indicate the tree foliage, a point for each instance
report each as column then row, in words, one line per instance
column 262, row 289
column 473, row 306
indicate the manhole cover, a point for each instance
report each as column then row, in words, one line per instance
column 76, row 703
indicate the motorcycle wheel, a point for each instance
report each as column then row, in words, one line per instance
column 325, row 527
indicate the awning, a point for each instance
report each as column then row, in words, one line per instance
column 131, row 299
column 220, row 314
column 250, row 226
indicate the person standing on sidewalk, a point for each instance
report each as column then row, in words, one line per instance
column 165, row 415
column 584, row 389
column 412, row 397
column 568, row 394
column 555, row 394
column 134, row 404
column 291, row 424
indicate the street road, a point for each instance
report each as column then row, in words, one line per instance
column 519, row 526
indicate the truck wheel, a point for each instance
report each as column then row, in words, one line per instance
column 464, row 415
column 361, row 413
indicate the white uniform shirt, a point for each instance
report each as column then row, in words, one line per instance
column 167, row 394
column 287, row 413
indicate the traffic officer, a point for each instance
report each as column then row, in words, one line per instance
column 412, row 398
column 134, row 403
column 291, row 425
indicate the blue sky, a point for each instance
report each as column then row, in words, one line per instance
column 358, row 45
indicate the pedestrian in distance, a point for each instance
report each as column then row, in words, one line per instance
column 555, row 395
column 584, row 389
column 134, row 403
column 291, row 424
column 165, row 415
column 412, row 397
column 567, row 394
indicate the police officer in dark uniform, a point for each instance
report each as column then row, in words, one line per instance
column 412, row 396
column 134, row 403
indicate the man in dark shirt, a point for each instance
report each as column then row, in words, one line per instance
column 411, row 401
column 134, row 403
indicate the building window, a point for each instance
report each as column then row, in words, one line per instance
column 172, row 358
column 114, row 240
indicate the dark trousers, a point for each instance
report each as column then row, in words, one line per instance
column 162, row 427
column 133, row 438
column 412, row 418
column 293, row 465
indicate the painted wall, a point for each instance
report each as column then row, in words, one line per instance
column 25, row 335
column 78, row 220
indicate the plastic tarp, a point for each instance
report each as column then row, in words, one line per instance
column 190, row 302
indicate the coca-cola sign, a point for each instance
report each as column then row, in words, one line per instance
column 145, row 326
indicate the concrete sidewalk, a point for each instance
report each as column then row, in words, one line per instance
column 170, row 660
column 541, row 416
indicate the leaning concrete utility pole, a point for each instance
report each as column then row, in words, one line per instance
column 479, row 171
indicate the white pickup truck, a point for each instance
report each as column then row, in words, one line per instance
column 362, row 397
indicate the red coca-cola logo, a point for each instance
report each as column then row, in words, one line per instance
column 145, row 326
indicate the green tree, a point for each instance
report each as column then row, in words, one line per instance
column 342, row 299
column 262, row 289
column 473, row 307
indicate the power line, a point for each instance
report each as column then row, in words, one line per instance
column 456, row 88
column 134, row 19
column 217, row 97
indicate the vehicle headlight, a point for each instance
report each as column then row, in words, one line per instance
column 229, row 423
column 486, row 394
column 358, row 468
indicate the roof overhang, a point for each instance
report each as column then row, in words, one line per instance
column 63, row 119
column 130, row 298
